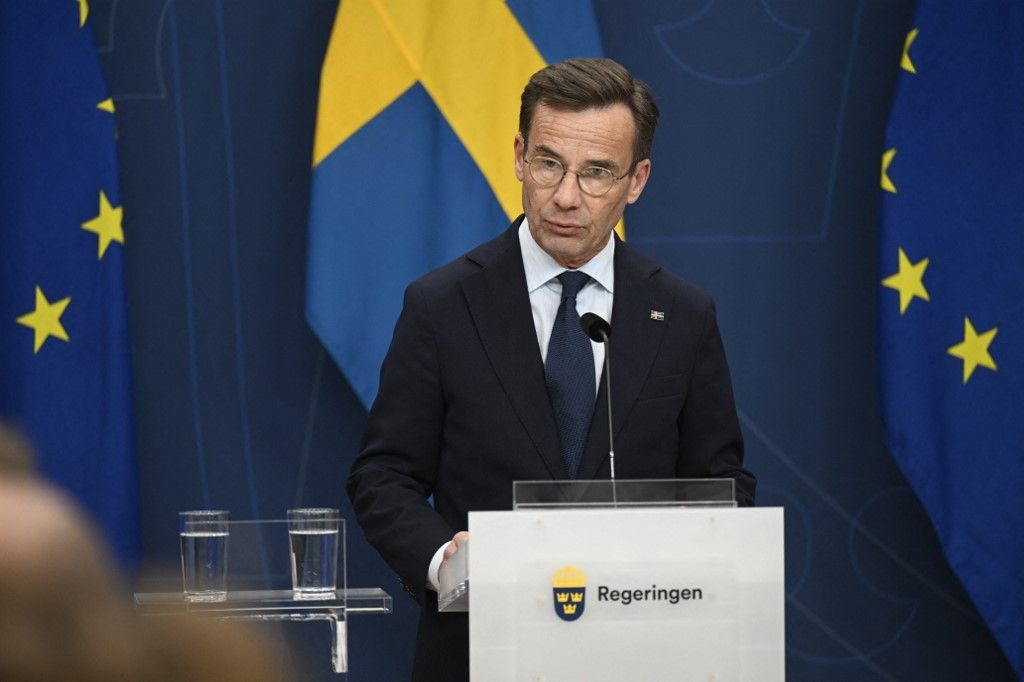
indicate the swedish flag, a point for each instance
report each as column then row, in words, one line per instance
column 412, row 162
column 64, row 358
column 952, row 294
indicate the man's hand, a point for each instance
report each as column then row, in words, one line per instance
column 457, row 541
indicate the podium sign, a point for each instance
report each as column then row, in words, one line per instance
column 614, row 594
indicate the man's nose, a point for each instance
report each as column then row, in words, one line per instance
column 567, row 192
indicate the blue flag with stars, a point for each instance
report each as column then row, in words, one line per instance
column 64, row 355
column 951, row 314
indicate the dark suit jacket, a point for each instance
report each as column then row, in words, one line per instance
column 463, row 411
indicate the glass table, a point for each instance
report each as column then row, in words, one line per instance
column 277, row 605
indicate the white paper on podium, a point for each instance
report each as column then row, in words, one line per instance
column 722, row 568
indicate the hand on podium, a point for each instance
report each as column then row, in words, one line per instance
column 457, row 541
column 453, row 574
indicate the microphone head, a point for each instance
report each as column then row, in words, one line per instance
column 595, row 327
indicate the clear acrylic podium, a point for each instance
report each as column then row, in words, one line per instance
column 259, row 588
column 654, row 580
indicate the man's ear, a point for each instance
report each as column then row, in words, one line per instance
column 638, row 180
column 520, row 150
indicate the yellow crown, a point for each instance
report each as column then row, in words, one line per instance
column 569, row 576
column 569, row 609
column 562, row 597
column 577, row 597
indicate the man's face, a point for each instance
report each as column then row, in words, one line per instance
column 569, row 225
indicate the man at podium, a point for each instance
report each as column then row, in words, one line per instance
column 490, row 377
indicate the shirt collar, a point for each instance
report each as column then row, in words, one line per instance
column 541, row 268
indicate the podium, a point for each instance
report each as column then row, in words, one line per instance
column 576, row 585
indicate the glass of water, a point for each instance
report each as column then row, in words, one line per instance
column 204, row 554
column 313, row 535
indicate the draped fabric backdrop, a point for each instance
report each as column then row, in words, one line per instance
column 411, row 155
column 951, row 328
column 65, row 369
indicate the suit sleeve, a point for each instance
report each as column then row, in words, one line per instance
column 710, row 439
column 396, row 469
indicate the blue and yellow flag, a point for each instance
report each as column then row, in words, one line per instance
column 952, row 297
column 413, row 162
column 64, row 356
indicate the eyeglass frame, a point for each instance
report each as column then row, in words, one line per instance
column 566, row 171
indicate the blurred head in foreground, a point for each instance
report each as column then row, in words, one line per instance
column 63, row 613
column 15, row 454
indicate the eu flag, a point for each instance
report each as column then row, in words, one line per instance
column 412, row 162
column 951, row 314
column 64, row 356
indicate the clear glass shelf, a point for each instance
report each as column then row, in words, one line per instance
column 624, row 494
column 277, row 604
column 455, row 599
column 334, row 607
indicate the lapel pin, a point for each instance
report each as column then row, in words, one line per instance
column 657, row 315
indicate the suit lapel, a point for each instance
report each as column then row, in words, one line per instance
column 635, row 340
column 500, row 305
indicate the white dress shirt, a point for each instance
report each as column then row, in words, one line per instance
column 545, row 292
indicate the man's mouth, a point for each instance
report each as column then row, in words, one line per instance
column 563, row 227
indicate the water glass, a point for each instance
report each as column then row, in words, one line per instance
column 313, row 536
column 204, row 554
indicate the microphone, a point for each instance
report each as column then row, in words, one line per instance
column 595, row 327
column 599, row 330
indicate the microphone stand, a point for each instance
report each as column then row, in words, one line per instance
column 599, row 331
column 608, row 391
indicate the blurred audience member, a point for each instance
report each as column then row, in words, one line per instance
column 64, row 615
column 15, row 454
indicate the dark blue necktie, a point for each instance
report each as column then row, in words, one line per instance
column 569, row 371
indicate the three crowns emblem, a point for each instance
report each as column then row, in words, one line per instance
column 569, row 592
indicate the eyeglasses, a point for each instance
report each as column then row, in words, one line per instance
column 592, row 180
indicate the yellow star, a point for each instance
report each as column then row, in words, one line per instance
column 973, row 350
column 83, row 12
column 45, row 319
column 905, row 62
column 106, row 105
column 107, row 225
column 887, row 158
column 909, row 280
